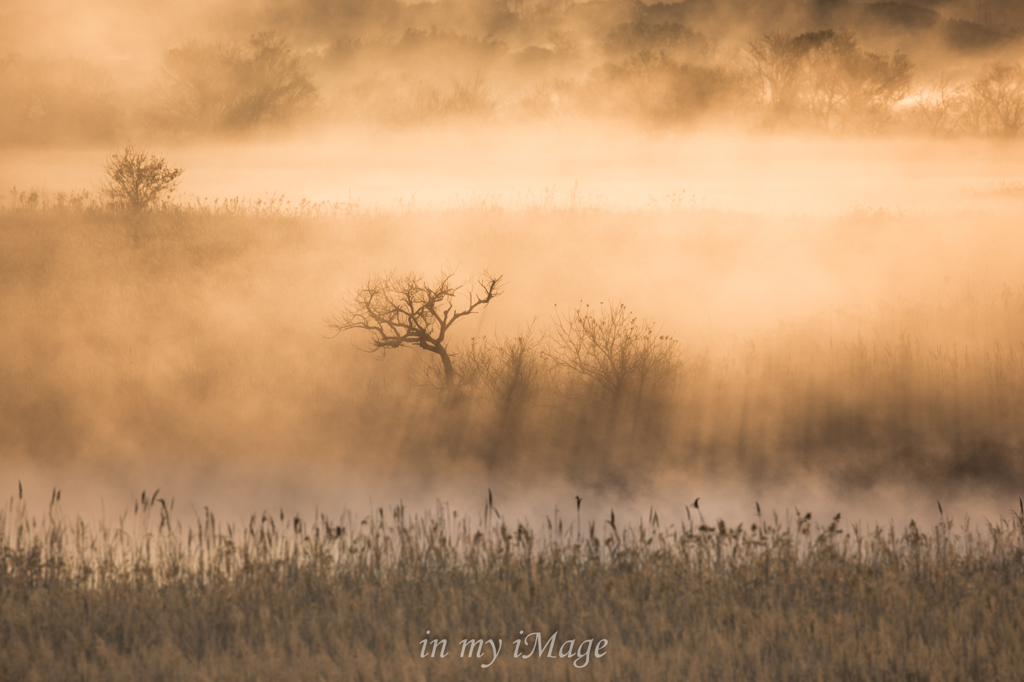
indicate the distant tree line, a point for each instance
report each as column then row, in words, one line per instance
column 215, row 87
column 666, row 64
column 990, row 104
column 825, row 80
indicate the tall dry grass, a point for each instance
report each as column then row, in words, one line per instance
column 149, row 596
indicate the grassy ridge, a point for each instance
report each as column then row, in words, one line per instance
column 352, row 598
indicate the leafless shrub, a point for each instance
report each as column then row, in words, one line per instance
column 514, row 375
column 611, row 347
column 618, row 373
column 508, row 376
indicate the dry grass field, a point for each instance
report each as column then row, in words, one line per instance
column 350, row 598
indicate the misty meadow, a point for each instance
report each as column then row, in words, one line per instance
column 656, row 341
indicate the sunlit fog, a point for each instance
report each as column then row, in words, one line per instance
column 528, row 340
column 748, row 251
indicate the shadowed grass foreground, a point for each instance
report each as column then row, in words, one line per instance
column 352, row 599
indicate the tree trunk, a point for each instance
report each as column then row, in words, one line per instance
column 449, row 370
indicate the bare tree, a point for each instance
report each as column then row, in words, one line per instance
column 941, row 108
column 619, row 370
column 407, row 311
column 227, row 87
column 826, row 79
column 998, row 100
column 776, row 59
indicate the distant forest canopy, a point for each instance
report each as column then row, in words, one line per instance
column 936, row 67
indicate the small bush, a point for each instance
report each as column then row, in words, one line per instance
column 136, row 180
